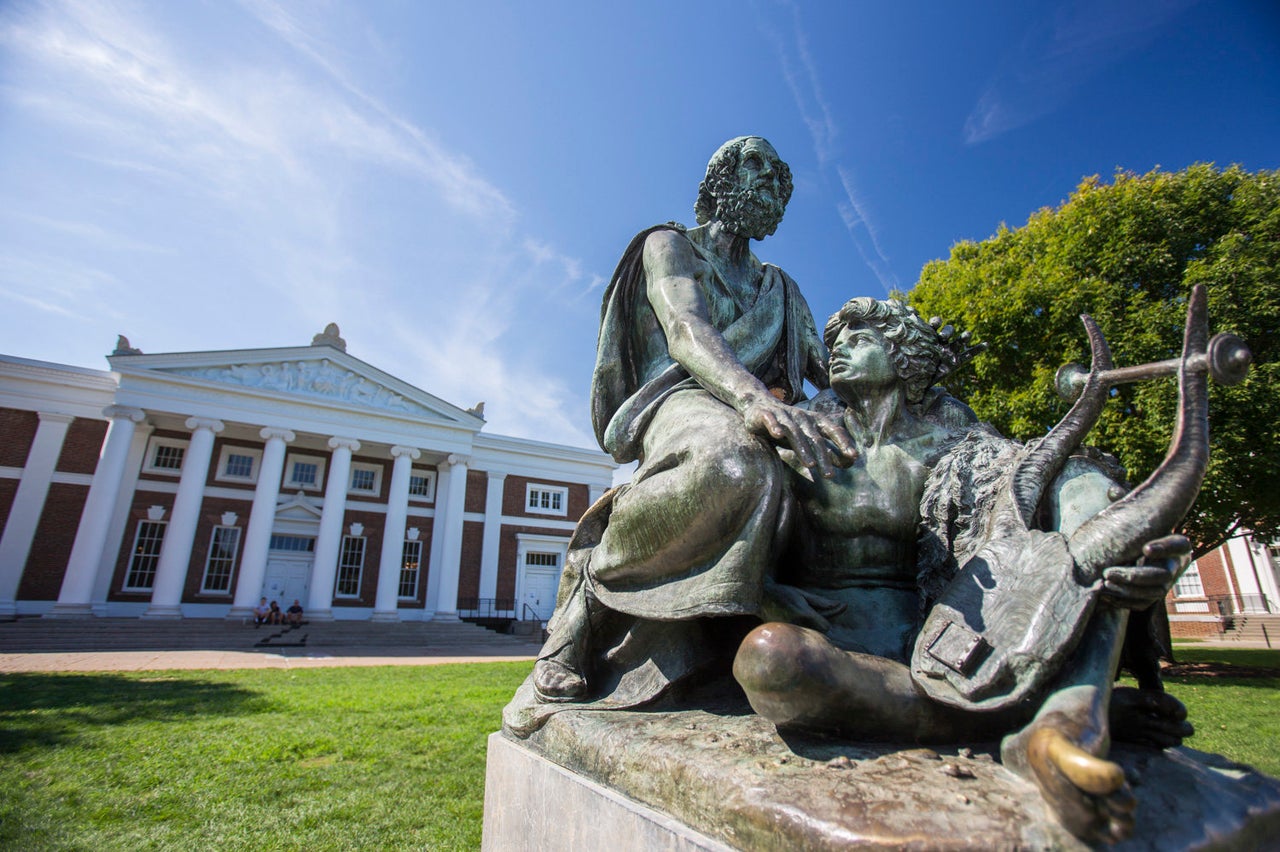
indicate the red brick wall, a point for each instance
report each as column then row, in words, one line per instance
column 513, row 497
column 162, row 477
column 469, row 573
column 17, row 431
column 1192, row 629
column 82, row 446
column 477, row 487
column 8, row 489
column 1213, row 574
column 56, row 532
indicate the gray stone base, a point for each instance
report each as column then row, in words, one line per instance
column 693, row 779
column 531, row 803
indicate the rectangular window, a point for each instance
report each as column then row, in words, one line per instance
column 350, row 567
column 409, row 566
column 145, row 556
column 550, row 560
column 305, row 473
column 547, row 499
column 293, row 543
column 165, row 455
column 422, row 485
column 238, row 464
column 365, row 478
column 221, row 563
column 1189, row 585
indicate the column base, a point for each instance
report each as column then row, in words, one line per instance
column 445, row 616
column 70, row 610
column 318, row 615
column 385, row 616
column 163, row 612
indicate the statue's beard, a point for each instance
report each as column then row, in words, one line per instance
column 748, row 213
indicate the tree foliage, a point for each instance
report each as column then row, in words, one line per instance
column 1127, row 253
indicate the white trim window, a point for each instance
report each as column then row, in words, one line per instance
column 165, row 456
column 350, row 567
column 145, row 556
column 546, row 499
column 238, row 464
column 304, row 472
column 410, row 565
column 365, row 479
column 422, row 485
column 1189, row 584
column 221, row 562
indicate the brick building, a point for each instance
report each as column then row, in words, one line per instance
column 1241, row 578
column 191, row 484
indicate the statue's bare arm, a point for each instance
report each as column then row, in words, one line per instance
column 672, row 270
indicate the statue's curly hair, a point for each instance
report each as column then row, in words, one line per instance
column 919, row 354
column 722, row 177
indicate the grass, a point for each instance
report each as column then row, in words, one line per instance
column 373, row 758
column 1238, row 717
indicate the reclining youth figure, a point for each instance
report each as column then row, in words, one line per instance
column 1010, row 552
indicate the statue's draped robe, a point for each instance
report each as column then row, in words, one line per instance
column 695, row 530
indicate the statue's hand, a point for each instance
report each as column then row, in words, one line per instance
column 796, row 606
column 819, row 441
column 1139, row 586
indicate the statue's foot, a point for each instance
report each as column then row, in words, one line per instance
column 556, row 678
column 1088, row 794
column 1149, row 718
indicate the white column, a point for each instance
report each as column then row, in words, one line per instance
column 384, row 608
column 86, row 552
column 120, row 518
column 492, row 535
column 434, row 560
column 262, row 519
column 28, row 505
column 175, row 552
column 329, row 540
column 451, row 546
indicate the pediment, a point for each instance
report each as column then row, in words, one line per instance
column 297, row 508
column 316, row 373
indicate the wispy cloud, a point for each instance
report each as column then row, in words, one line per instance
column 800, row 70
column 1061, row 53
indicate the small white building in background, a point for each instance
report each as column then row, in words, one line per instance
column 192, row 484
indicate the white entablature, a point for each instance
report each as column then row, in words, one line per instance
column 315, row 388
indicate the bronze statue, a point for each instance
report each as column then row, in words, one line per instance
column 919, row 577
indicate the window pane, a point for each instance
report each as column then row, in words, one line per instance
column 363, row 480
column 550, row 559
column 169, row 458
column 239, row 465
column 420, row 486
column 222, row 559
column 350, row 565
column 293, row 543
column 409, row 569
column 304, row 473
column 146, row 555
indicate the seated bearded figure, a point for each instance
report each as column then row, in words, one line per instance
column 876, row 546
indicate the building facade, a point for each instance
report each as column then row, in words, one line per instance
column 1240, row 578
column 192, row 484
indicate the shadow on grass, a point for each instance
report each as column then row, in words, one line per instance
column 45, row 709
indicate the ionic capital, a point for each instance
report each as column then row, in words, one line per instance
column 124, row 412
column 457, row 460
column 411, row 452
column 269, row 432
column 345, row 443
column 197, row 423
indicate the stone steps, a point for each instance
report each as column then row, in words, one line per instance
column 1254, row 628
column 36, row 635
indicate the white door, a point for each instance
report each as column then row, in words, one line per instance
column 287, row 579
column 540, row 585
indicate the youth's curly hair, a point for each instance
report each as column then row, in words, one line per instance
column 919, row 354
column 722, row 178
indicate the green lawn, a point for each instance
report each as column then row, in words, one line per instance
column 376, row 758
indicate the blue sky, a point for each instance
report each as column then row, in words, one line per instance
column 453, row 182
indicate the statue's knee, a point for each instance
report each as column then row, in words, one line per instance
column 743, row 465
column 769, row 658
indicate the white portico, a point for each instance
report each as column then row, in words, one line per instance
column 218, row 478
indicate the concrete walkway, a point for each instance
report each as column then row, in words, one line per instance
column 137, row 661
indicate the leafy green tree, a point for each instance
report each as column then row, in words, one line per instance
column 1127, row 253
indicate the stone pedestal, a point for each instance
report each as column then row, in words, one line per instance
column 695, row 780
